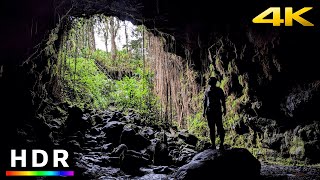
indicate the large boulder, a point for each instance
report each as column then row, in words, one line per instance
column 76, row 121
column 119, row 151
column 261, row 125
column 304, row 143
column 235, row 163
column 107, row 147
column 134, row 140
column 312, row 151
column 127, row 137
column 95, row 131
column 186, row 155
column 73, row 146
column 273, row 141
column 161, row 154
column 133, row 161
column 113, row 131
column 188, row 138
column 117, row 116
column 42, row 131
column 97, row 119
column 302, row 101
column 147, row 132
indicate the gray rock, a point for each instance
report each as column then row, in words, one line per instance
column 174, row 155
column 74, row 146
column 161, row 136
column 274, row 142
column 188, row 138
column 91, row 171
column 234, row 163
column 92, row 159
column 117, row 116
column 163, row 170
column 91, row 143
column 312, row 151
column 140, row 154
column 262, row 125
column 79, row 139
column 301, row 101
column 56, row 122
column 153, row 177
column 113, row 131
column 134, row 140
column 107, row 147
column 132, row 163
column 120, row 150
column 161, row 154
column 114, row 161
column 187, row 152
column 147, row 132
column 188, row 146
column 76, row 121
column 96, row 119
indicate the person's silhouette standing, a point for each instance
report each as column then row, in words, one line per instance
column 214, row 99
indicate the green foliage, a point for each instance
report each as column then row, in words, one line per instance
column 124, row 61
column 101, row 56
column 224, row 84
column 198, row 126
column 134, row 92
column 85, row 84
column 219, row 65
column 232, row 67
column 211, row 69
column 297, row 148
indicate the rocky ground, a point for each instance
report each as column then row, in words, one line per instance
column 111, row 145
column 281, row 172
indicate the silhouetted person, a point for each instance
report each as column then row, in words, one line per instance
column 214, row 99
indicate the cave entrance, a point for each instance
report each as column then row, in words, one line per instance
column 104, row 62
column 101, row 63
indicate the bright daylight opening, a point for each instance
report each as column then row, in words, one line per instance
column 108, row 63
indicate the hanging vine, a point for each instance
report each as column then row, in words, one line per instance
column 174, row 81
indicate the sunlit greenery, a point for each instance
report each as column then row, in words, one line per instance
column 97, row 79
column 88, row 85
column 85, row 84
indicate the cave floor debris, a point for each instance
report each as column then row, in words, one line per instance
column 272, row 171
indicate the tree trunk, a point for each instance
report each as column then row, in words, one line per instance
column 114, row 27
column 92, row 38
column 126, row 35
column 106, row 32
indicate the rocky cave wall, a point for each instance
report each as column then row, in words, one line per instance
column 280, row 62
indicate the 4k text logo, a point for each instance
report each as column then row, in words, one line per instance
column 290, row 16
